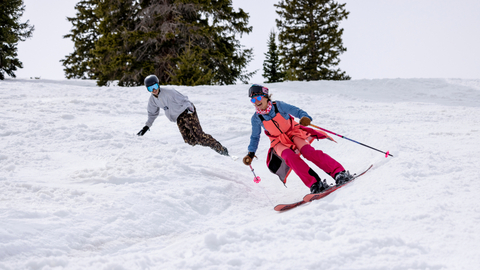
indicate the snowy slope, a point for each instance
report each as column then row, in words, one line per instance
column 79, row 190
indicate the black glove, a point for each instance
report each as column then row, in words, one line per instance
column 141, row 132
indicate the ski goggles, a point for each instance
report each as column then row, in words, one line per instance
column 153, row 87
column 254, row 99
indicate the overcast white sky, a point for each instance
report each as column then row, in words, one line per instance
column 384, row 39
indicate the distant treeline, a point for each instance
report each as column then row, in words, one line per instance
column 192, row 42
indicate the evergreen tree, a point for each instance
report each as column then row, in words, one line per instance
column 135, row 38
column 310, row 38
column 271, row 66
column 84, row 34
column 216, row 25
column 114, row 51
column 190, row 70
column 11, row 32
column 290, row 75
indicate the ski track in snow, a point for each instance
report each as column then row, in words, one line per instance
column 79, row 189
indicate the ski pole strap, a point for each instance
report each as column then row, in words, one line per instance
column 341, row 136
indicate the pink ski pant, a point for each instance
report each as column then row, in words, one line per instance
column 322, row 160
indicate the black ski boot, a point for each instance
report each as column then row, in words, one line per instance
column 319, row 187
column 343, row 177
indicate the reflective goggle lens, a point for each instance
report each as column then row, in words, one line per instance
column 253, row 100
column 152, row 87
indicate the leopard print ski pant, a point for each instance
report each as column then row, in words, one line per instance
column 192, row 132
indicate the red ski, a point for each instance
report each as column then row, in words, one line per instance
column 311, row 197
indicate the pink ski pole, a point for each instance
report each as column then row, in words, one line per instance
column 257, row 178
column 386, row 153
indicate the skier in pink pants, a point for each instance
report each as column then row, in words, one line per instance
column 288, row 140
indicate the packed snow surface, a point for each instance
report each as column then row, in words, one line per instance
column 79, row 189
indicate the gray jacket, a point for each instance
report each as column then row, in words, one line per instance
column 171, row 101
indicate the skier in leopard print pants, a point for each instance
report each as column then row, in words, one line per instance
column 178, row 109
